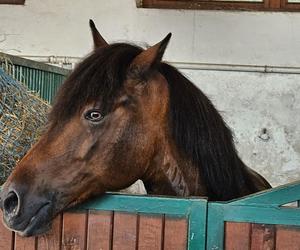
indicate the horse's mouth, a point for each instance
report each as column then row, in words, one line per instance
column 40, row 223
column 37, row 224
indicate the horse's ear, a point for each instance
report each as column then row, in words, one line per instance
column 153, row 54
column 98, row 39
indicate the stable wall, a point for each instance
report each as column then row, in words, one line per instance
column 263, row 109
column 248, row 101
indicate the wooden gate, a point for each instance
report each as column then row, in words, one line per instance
column 118, row 221
column 266, row 220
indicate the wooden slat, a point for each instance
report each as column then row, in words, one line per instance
column 51, row 240
column 262, row 237
column 12, row 1
column 6, row 236
column 23, row 243
column 237, row 235
column 287, row 238
column 74, row 231
column 175, row 237
column 275, row 4
column 124, row 231
column 201, row 4
column 150, row 232
column 99, row 230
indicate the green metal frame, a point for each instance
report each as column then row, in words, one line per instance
column 41, row 78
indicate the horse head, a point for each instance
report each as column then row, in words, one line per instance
column 103, row 131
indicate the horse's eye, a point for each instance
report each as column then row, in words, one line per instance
column 93, row 115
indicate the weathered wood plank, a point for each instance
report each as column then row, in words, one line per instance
column 74, row 231
column 150, row 232
column 287, row 238
column 125, row 231
column 263, row 237
column 99, row 230
column 52, row 240
column 175, row 234
column 237, row 235
column 6, row 236
column 23, row 243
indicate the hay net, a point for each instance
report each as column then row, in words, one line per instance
column 22, row 114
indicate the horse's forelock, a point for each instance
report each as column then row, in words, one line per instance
column 99, row 77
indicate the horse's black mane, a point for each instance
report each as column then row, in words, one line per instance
column 202, row 134
column 197, row 128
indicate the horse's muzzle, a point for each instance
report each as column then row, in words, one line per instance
column 25, row 214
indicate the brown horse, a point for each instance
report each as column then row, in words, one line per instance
column 124, row 115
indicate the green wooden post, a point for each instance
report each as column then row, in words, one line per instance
column 197, row 224
column 215, row 226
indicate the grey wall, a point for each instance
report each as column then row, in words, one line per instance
column 248, row 101
column 252, row 102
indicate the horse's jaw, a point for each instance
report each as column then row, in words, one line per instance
column 171, row 174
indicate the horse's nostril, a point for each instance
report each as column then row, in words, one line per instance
column 11, row 204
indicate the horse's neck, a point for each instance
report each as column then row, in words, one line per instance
column 170, row 174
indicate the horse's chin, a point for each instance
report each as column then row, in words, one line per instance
column 38, row 224
column 32, row 231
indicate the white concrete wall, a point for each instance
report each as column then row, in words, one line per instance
column 249, row 101
column 252, row 102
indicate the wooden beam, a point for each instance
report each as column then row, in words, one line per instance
column 12, row 2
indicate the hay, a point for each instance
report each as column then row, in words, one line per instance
column 22, row 114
